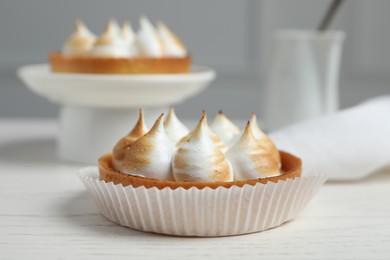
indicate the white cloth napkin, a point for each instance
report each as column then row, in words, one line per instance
column 347, row 145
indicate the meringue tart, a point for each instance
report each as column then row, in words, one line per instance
column 291, row 168
column 150, row 158
column 119, row 50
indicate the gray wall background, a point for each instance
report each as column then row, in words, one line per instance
column 234, row 37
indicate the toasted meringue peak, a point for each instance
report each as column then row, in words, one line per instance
column 129, row 38
column 80, row 42
column 217, row 141
column 112, row 25
column 257, row 132
column 224, row 128
column 149, row 42
column 115, row 25
column 110, row 34
column 251, row 160
column 127, row 32
column 201, row 128
column 124, row 143
column 150, row 156
column 172, row 45
column 110, row 42
column 264, row 139
column 199, row 160
column 174, row 129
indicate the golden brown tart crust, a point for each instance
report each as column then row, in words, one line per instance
column 124, row 66
column 291, row 168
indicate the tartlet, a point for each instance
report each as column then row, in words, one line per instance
column 291, row 168
column 150, row 199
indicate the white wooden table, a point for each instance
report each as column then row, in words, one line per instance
column 46, row 213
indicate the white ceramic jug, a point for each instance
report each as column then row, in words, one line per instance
column 303, row 76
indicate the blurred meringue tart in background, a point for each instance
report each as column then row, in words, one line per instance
column 119, row 50
column 168, row 155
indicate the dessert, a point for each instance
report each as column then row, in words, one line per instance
column 119, row 50
column 198, row 160
column 210, row 193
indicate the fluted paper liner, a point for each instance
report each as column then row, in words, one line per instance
column 205, row 212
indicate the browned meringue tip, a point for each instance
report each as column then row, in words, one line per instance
column 202, row 121
column 254, row 122
column 200, row 126
column 162, row 26
column 79, row 24
column 140, row 127
column 160, row 23
column 125, row 23
column 160, row 117
column 204, row 114
column 111, row 25
column 203, row 118
column 126, row 28
column 253, row 117
column 221, row 114
column 157, row 124
column 247, row 131
column 144, row 19
column 141, row 113
column 141, row 118
column 168, row 118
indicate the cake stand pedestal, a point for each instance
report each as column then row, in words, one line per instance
column 97, row 110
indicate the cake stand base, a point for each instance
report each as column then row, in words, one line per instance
column 81, row 127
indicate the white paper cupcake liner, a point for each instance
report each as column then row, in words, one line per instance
column 206, row 212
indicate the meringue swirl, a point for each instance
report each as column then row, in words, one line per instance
column 80, row 42
column 129, row 37
column 150, row 156
column 171, row 44
column 123, row 42
column 174, row 129
column 110, row 43
column 216, row 140
column 149, row 42
column 119, row 151
column 199, row 160
column 251, row 160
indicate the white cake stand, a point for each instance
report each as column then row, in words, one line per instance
column 99, row 109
